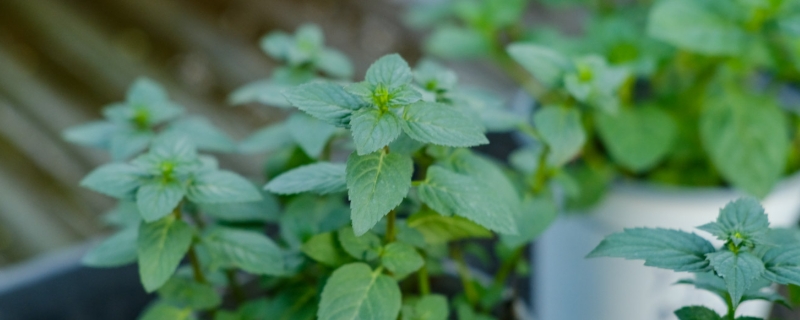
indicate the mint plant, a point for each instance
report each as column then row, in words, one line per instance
column 752, row 258
column 372, row 191
column 303, row 58
column 660, row 95
column 393, row 131
column 130, row 126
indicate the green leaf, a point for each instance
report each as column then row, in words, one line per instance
column 747, row 140
column 441, row 124
column 250, row 251
column 489, row 108
column 311, row 134
column 391, row 71
column 326, row 101
column 637, row 138
column 292, row 303
column 453, row 42
column 448, row 192
column 688, row 25
column 335, row 63
column 321, row 178
column 739, row 270
column 127, row 143
column 697, row 313
column 307, row 215
column 405, row 145
column 708, row 281
column 490, row 176
column 221, row 187
column 163, row 311
column 562, row 130
column 266, row 92
column 536, row 215
column 438, row 229
column 355, row 292
column 161, row 247
column 94, row 134
column 364, row 247
column 265, row 210
column 434, row 77
column 429, row 307
column 117, row 250
column 124, row 215
column 660, row 248
column 373, row 129
column 410, row 235
column 324, row 249
column 118, row 180
column 267, row 139
column 401, row 259
column 203, row 134
column 596, row 83
column 593, row 183
column 308, row 43
column 277, row 44
column 547, row 65
column 740, row 221
column 183, row 292
column 782, row 264
column 158, row 198
column 376, row 184
column 526, row 159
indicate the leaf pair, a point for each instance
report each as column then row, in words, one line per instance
column 386, row 104
column 130, row 126
column 159, row 181
column 588, row 79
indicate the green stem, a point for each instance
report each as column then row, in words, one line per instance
column 540, row 176
column 391, row 231
column 508, row 267
column 424, row 280
column 731, row 310
column 198, row 271
column 196, row 268
column 466, row 278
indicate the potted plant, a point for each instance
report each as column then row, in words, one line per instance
column 372, row 197
column 674, row 97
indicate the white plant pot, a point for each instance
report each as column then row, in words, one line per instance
column 569, row 287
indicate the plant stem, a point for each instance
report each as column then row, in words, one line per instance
column 508, row 267
column 466, row 278
column 731, row 310
column 198, row 271
column 391, row 231
column 540, row 177
column 424, row 280
column 196, row 268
